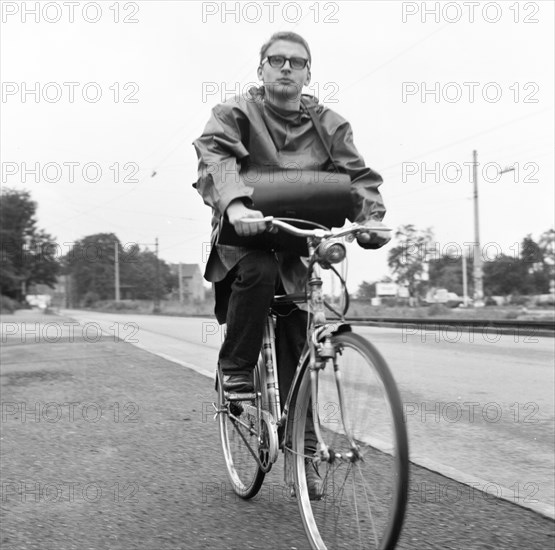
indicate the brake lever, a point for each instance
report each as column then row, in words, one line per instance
column 352, row 236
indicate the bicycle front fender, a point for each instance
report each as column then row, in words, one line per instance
column 331, row 329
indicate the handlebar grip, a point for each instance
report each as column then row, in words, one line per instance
column 266, row 219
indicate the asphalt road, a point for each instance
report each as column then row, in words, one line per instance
column 480, row 406
column 135, row 462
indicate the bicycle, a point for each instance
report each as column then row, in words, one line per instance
column 347, row 387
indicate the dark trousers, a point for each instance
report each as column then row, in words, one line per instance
column 243, row 301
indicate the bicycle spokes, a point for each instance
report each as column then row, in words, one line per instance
column 241, row 442
column 365, row 473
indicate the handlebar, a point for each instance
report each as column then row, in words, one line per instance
column 316, row 233
column 324, row 255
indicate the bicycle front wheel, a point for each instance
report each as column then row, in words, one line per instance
column 365, row 479
column 243, row 443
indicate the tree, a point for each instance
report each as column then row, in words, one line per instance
column 446, row 272
column 526, row 273
column 546, row 242
column 536, row 270
column 407, row 259
column 91, row 264
column 138, row 271
column 505, row 275
column 530, row 252
column 366, row 291
column 28, row 253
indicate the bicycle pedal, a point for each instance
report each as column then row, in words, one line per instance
column 216, row 411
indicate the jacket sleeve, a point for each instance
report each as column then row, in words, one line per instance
column 367, row 202
column 219, row 150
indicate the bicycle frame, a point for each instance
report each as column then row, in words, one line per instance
column 319, row 332
column 318, row 350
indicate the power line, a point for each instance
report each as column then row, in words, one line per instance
column 511, row 151
column 191, row 238
column 154, row 214
column 396, row 56
column 457, row 142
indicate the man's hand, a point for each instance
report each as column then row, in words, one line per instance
column 374, row 238
column 236, row 211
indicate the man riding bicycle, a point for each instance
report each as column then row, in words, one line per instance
column 271, row 127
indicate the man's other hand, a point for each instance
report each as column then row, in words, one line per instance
column 374, row 238
column 236, row 211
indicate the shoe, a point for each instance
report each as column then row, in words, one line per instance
column 314, row 482
column 238, row 383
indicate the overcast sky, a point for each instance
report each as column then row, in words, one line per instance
column 488, row 77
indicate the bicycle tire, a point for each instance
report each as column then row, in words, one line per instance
column 244, row 472
column 349, row 513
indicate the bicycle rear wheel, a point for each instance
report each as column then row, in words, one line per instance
column 366, row 479
column 243, row 442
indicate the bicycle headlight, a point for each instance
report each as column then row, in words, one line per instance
column 331, row 252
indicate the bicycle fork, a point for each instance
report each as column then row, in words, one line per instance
column 328, row 352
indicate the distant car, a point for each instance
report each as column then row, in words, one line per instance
column 40, row 301
column 453, row 300
column 443, row 296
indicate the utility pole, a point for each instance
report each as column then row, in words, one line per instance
column 465, row 282
column 156, row 308
column 116, row 270
column 478, row 271
column 66, row 289
column 180, row 275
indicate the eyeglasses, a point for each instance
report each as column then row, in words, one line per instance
column 278, row 61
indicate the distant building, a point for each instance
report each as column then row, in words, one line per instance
column 191, row 286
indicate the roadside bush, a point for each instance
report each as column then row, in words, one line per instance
column 389, row 301
column 544, row 300
column 512, row 314
column 90, row 299
column 438, row 310
column 518, row 300
column 7, row 305
column 122, row 305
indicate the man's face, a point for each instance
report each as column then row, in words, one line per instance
column 285, row 81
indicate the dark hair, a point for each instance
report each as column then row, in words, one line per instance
column 290, row 37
